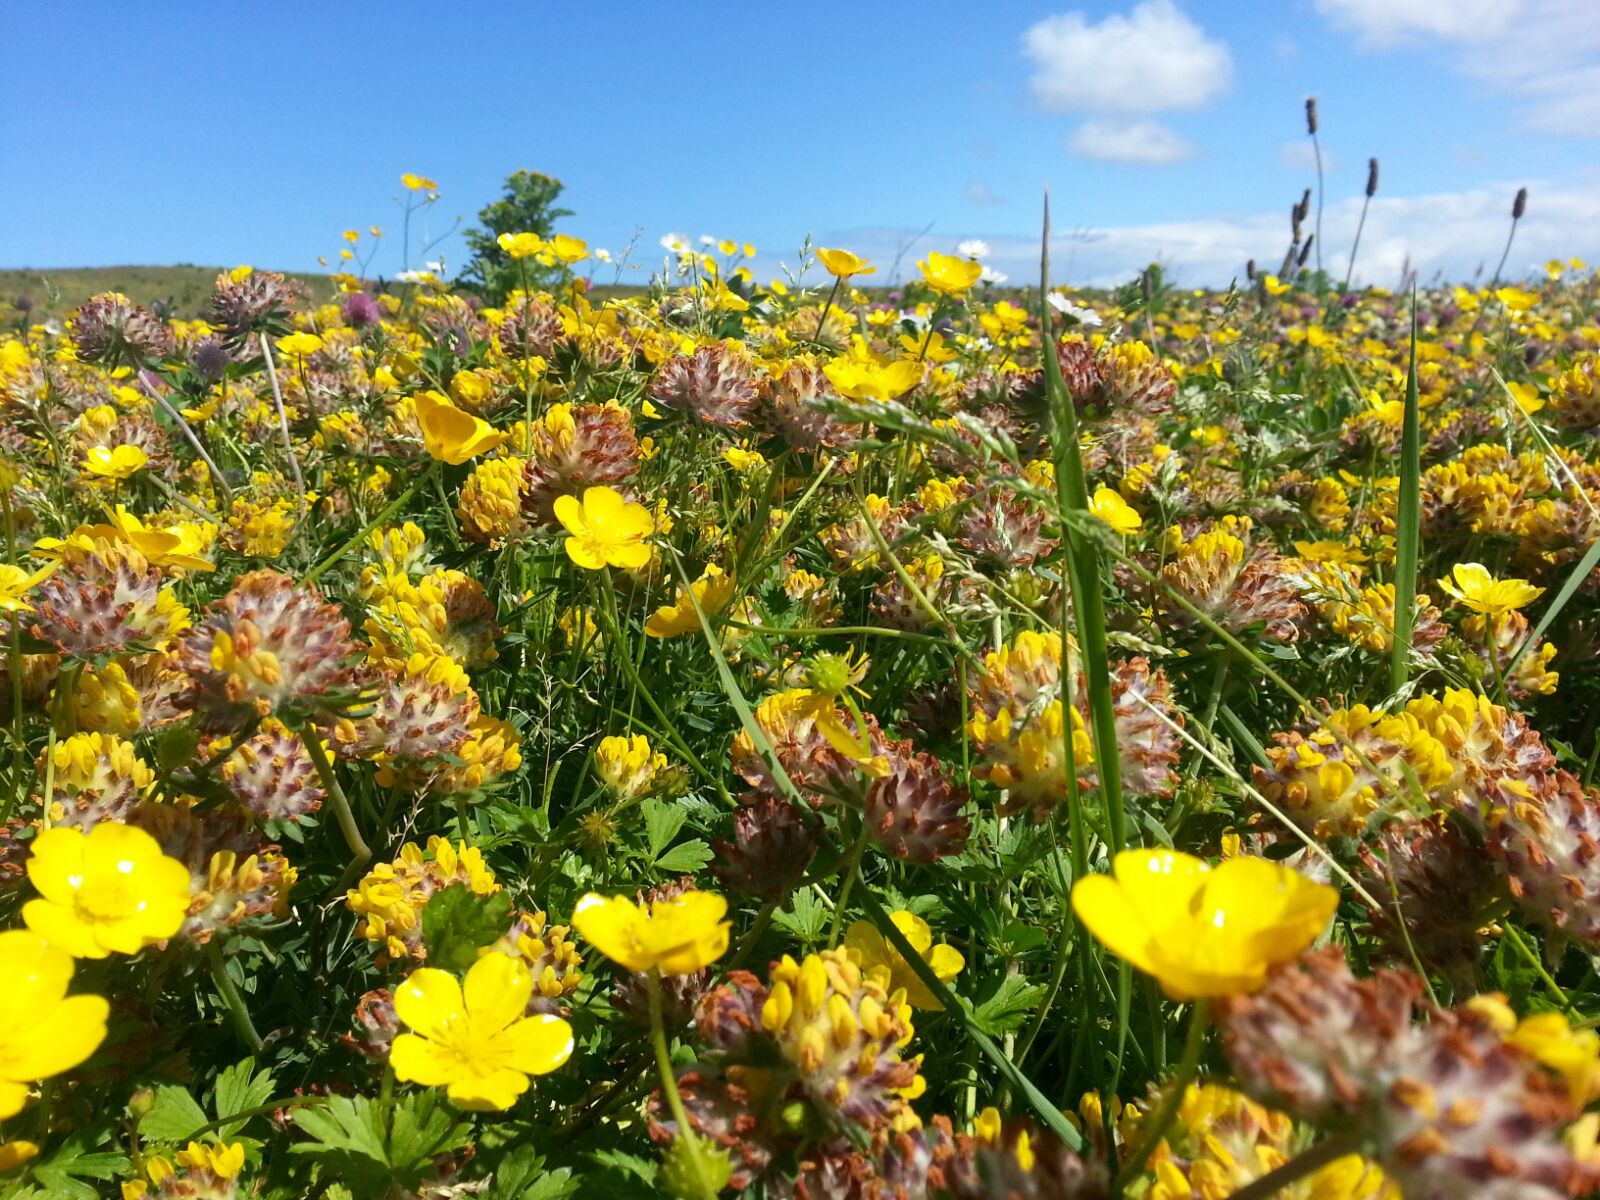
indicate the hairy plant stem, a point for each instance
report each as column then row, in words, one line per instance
column 360, row 852
column 1188, row 1066
column 389, row 510
column 283, row 428
column 669, row 1088
column 231, row 999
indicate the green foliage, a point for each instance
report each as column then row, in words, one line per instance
column 457, row 923
column 374, row 1148
column 528, row 206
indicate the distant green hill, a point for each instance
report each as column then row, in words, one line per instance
column 56, row 292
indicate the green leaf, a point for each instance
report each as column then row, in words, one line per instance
column 457, row 922
column 423, row 1128
column 73, row 1161
column 240, row 1088
column 805, row 917
column 174, row 1115
column 1008, row 1006
column 686, row 857
column 661, row 824
column 343, row 1127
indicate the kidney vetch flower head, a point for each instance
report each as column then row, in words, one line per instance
column 473, row 1038
column 1203, row 932
column 675, row 936
column 112, row 890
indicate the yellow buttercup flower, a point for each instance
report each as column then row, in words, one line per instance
column 474, row 1039
column 1203, row 932
column 606, row 529
column 1116, row 512
column 713, row 591
column 842, row 264
column 299, row 344
column 676, row 936
column 450, row 434
column 1483, row 593
column 949, row 275
column 871, row 951
column 858, row 380
column 521, row 245
column 110, row 891
column 417, row 183
column 1525, row 396
column 43, row 1031
column 1516, row 299
column 568, row 249
column 117, row 462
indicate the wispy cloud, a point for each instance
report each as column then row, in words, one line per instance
column 1450, row 233
column 1543, row 55
column 1112, row 139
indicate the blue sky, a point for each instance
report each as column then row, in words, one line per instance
column 225, row 133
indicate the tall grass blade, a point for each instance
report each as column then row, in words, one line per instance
column 1083, row 568
column 1408, row 543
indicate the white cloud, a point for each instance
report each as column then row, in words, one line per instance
column 1391, row 22
column 1451, row 233
column 1543, row 54
column 1124, row 141
column 1152, row 60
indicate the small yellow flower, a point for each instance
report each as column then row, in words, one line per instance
column 521, row 245
column 116, row 462
column 474, row 1039
column 842, row 264
column 43, row 1031
column 1203, row 932
column 1116, row 512
column 1525, row 396
column 1515, row 299
column 450, row 434
column 1483, row 593
column 418, row 183
column 856, row 380
column 949, row 275
column 713, row 590
column 606, row 529
column 299, row 344
column 871, row 951
column 568, row 249
column 1274, row 286
column 112, row 890
column 676, row 936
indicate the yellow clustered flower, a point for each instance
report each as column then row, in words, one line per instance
column 1222, row 1141
column 97, row 764
column 259, row 528
column 828, row 1016
column 628, row 765
column 490, row 507
column 1018, row 722
column 392, row 895
column 1326, row 786
column 492, row 749
column 106, row 701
